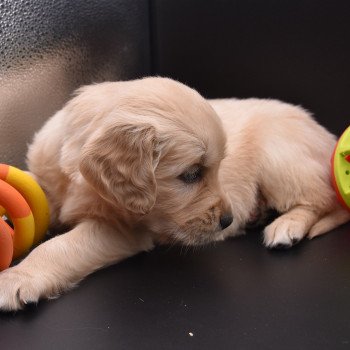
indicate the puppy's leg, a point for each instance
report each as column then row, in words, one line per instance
column 290, row 227
column 61, row 262
column 335, row 218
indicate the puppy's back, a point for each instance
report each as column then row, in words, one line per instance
column 286, row 149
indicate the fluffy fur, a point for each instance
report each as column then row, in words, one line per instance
column 131, row 164
column 278, row 158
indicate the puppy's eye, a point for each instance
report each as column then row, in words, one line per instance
column 192, row 175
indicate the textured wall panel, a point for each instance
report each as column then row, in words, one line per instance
column 49, row 48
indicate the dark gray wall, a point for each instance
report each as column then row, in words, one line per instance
column 297, row 51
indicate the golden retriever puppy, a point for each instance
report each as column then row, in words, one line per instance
column 131, row 164
column 126, row 165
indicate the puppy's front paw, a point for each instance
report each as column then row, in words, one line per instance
column 18, row 288
column 284, row 233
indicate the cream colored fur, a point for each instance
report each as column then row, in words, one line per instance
column 132, row 164
column 277, row 151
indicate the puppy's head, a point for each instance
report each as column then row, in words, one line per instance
column 156, row 153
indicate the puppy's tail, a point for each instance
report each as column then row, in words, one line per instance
column 330, row 221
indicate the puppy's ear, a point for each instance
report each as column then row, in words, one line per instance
column 119, row 163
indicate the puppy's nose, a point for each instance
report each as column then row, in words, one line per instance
column 226, row 221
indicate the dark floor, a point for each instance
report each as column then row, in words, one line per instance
column 234, row 295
